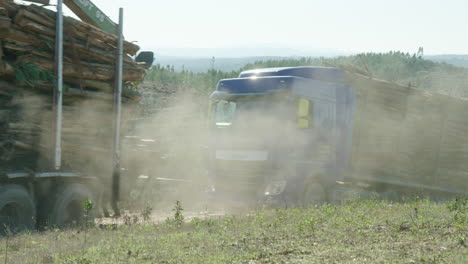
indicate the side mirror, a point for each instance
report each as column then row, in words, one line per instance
column 303, row 113
column 146, row 58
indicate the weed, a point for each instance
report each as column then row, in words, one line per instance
column 146, row 213
column 459, row 207
column 127, row 220
column 414, row 217
column 7, row 235
column 135, row 219
column 328, row 209
column 195, row 222
column 178, row 216
column 87, row 208
column 280, row 217
column 209, row 222
column 462, row 241
column 307, row 225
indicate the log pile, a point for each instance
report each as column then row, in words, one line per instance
column 27, row 36
column 27, row 80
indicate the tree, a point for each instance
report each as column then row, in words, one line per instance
column 420, row 52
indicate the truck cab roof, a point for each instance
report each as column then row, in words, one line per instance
column 326, row 74
column 255, row 85
column 260, row 81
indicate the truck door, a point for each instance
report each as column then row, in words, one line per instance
column 315, row 141
column 324, row 124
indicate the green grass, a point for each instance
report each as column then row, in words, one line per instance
column 358, row 232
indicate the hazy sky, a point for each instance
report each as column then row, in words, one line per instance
column 440, row 26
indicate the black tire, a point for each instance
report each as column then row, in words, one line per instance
column 68, row 208
column 314, row 194
column 17, row 209
column 391, row 195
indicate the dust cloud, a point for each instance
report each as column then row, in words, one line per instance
column 179, row 152
column 397, row 132
column 165, row 154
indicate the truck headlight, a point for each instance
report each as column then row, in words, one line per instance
column 275, row 188
column 210, row 189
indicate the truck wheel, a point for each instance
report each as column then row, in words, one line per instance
column 390, row 195
column 314, row 194
column 17, row 210
column 68, row 208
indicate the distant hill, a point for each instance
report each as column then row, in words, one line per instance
column 454, row 59
column 233, row 58
column 255, row 50
column 202, row 64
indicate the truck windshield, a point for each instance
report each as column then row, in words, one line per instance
column 224, row 113
column 248, row 113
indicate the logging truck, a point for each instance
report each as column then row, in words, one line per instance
column 65, row 86
column 305, row 135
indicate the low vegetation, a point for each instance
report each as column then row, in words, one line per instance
column 369, row 231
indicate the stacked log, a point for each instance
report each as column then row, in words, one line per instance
column 27, row 81
column 407, row 135
column 27, row 35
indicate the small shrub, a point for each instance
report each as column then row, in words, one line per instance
column 146, row 213
column 308, row 225
column 462, row 241
column 178, row 216
column 135, row 219
column 127, row 220
column 195, row 222
column 459, row 207
column 87, row 207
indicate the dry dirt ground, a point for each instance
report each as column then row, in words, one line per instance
column 155, row 217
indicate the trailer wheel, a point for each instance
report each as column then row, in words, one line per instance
column 68, row 208
column 17, row 210
column 314, row 194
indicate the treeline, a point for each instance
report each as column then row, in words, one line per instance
column 397, row 66
column 404, row 68
column 166, row 78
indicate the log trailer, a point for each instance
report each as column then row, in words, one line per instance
column 60, row 141
column 305, row 135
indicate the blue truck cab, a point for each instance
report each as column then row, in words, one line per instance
column 280, row 133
